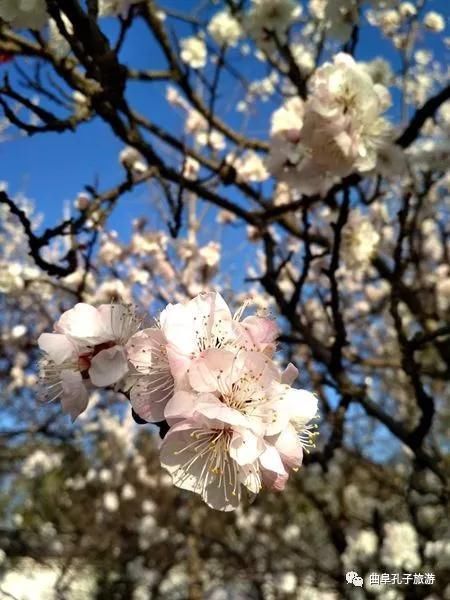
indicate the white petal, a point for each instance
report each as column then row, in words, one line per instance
column 290, row 448
column 83, row 323
column 150, row 394
column 147, row 349
column 178, row 328
column 245, row 447
column 75, row 395
column 118, row 322
column 57, row 346
column 180, row 406
column 108, row 366
column 183, row 456
column 270, row 459
column 302, row 406
column 212, row 408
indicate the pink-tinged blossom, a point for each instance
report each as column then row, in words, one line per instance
column 87, row 346
column 206, row 323
column 60, row 374
column 249, row 405
column 200, row 454
column 147, row 352
column 339, row 129
column 193, row 343
column 234, row 420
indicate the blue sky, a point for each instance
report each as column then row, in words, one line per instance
column 52, row 168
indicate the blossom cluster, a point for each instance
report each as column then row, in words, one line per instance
column 234, row 418
column 337, row 130
column 33, row 14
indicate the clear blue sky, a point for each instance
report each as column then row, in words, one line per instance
column 52, row 168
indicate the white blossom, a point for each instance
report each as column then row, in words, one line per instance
column 434, row 22
column 225, row 29
column 193, row 52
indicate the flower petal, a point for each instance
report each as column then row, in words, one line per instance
column 147, row 349
column 301, row 406
column 150, row 394
column 289, row 447
column 209, row 371
column 289, row 375
column 260, row 330
column 270, row 460
column 83, row 323
column 118, row 321
column 58, row 347
column 75, row 395
column 245, row 446
column 108, row 366
column 180, row 406
column 186, row 453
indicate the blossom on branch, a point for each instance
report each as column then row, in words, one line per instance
column 31, row 14
column 338, row 130
column 87, row 346
column 234, row 419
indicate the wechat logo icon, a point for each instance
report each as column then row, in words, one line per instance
column 353, row 577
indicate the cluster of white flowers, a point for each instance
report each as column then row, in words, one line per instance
column 40, row 462
column 249, row 167
column 434, row 22
column 193, row 52
column 132, row 160
column 11, row 278
column 269, row 20
column 110, row 8
column 32, row 14
column 196, row 124
column 24, row 13
column 338, row 130
column 359, row 241
column 400, row 548
column 225, row 29
column 234, row 418
column 360, row 549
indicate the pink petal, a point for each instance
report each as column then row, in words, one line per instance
column 208, row 372
column 146, row 348
column 180, row 406
column 289, row 446
column 261, row 330
column 260, row 367
column 150, row 394
column 213, row 409
column 274, row 482
column 289, row 375
column 179, row 362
